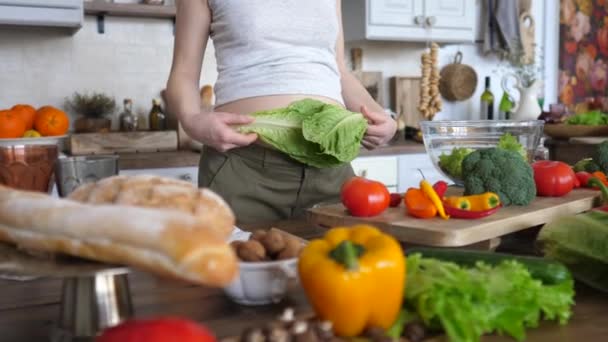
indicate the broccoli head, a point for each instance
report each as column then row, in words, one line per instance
column 587, row 165
column 601, row 156
column 500, row 171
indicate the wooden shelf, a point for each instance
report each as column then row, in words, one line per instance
column 129, row 10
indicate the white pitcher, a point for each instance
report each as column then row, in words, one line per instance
column 527, row 108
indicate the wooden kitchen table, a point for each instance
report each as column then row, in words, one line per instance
column 29, row 309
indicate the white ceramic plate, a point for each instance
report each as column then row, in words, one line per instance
column 33, row 141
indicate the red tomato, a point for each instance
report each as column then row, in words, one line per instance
column 553, row 178
column 364, row 197
column 395, row 200
column 583, row 177
column 157, row 330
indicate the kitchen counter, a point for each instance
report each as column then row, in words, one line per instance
column 28, row 309
column 187, row 158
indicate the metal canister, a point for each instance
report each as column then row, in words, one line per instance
column 71, row 172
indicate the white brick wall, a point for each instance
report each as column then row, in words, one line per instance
column 132, row 59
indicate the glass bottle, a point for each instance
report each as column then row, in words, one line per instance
column 542, row 152
column 128, row 120
column 487, row 102
column 157, row 118
column 505, row 107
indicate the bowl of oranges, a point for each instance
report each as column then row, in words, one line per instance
column 29, row 145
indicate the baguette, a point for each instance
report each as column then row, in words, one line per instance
column 163, row 193
column 166, row 242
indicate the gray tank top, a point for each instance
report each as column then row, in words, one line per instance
column 275, row 47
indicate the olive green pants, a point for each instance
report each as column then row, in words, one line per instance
column 263, row 185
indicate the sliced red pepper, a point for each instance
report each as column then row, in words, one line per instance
column 470, row 214
column 395, row 200
column 583, row 177
column 440, row 188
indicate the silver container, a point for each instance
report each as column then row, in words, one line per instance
column 71, row 172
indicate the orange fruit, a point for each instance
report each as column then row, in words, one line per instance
column 27, row 113
column 51, row 121
column 11, row 125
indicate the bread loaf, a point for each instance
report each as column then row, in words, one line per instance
column 167, row 242
column 161, row 193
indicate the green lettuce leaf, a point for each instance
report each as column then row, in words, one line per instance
column 510, row 143
column 469, row 302
column 311, row 132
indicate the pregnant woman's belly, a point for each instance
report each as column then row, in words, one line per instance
column 254, row 104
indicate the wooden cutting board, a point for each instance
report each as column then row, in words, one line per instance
column 405, row 95
column 461, row 232
column 371, row 80
column 588, row 140
column 122, row 142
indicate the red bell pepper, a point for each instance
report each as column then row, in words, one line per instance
column 583, row 177
column 469, row 214
column 440, row 188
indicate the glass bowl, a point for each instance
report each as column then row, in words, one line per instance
column 440, row 137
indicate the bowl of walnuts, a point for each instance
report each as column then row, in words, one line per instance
column 268, row 262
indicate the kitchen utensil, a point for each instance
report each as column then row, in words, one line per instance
column 123, row 142
column 91, row 304
column 458, row 81
column 405, row 95
column 71, row 172
column 27, row 167
column 526, row 31
column 371, row 80
column 442, row 136
column 480, row 233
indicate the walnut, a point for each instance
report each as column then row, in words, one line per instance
column 292, row 249
column 274, row 242
column 251, row 250
column 258, row 235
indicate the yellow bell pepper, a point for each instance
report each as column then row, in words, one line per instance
column 354, row 277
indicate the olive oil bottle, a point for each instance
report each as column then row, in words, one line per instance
column 157, row 118
column 487, row 102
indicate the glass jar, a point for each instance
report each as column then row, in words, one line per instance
column 542, row 152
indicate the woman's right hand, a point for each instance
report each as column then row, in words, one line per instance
column 213, row 129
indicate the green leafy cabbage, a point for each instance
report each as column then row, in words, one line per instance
column 469, row 302
column 312, row 132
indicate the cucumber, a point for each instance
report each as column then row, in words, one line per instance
column 547, row 271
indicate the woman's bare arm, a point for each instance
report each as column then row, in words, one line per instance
column 381, row 127
column 191, row 36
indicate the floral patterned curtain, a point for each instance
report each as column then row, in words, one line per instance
column 583, row 51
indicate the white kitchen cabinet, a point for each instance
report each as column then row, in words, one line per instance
column 382, row 169
column 46, row 13
column 410, row 20
column 398, row 172
column 189, row 174
column 410, row 166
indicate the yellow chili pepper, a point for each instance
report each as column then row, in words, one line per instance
column 459, row 202
column 354, row 278
column 428, row 190
column 481, row 202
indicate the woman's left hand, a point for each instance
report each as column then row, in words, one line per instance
column 381, row 128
